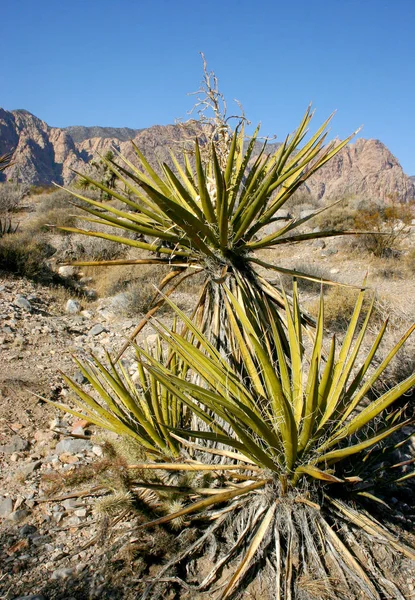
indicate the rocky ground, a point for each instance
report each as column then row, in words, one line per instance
column 48, row 540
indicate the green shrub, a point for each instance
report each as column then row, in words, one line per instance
column 25, row 255
column 11, row 195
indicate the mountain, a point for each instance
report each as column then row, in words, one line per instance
column 44, row 154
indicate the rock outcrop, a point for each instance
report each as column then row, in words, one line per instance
column 43, row 154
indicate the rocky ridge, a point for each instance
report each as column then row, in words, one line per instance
column 43, row 154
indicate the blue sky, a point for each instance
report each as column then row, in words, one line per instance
column 132, row 62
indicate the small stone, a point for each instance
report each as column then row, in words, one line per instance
column 81, row 512
column 79, row 378
column 16, row 444
column 66, row 271
column 81, row 424
column 96, row 329
column 18, row 515
column 16, row 426
column 72, row 307
column 334, row 271
column 6, row 507
column 87, row 314
column 72, row 446
column 67, row 458
column 91, row 294
column 97, row 450
column 319, row 244
column 63, row 573
column 23, row 303
column 44, row 436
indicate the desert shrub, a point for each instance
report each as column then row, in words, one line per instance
column 389, row 223
column 305, row 285
column 37, row 190
column 301, row 201
column 55, row 199
column 338, row 218
column 25, row 255
column 11, row 195
column 137, row 291
column 53, row 218
column 339, row 305
column 410, row 260
column 93, row 248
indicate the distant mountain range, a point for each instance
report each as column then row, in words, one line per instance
column 44, row 154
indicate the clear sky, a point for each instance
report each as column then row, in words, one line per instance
column 132, row 62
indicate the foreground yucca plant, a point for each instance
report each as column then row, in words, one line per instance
column 204, row 216
column 290, row 446
column 134, row 406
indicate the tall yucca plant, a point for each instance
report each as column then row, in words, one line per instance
column 212, row 217
column 296, row 442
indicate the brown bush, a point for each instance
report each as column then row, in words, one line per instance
column 390, row 226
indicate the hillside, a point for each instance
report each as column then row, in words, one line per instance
column 44, row 154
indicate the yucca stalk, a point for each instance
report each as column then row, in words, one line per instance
column 299, row 484
column 204, row 216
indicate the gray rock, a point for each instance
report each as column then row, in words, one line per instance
column 319, row 244
column 119, row 302
column 96, row 329
column 27, row 530
column 40, row 540
column 6, row 507
column 18, row 515
column 70, row 504
column 28, row 469
column 22, row 302
column 331, row 251
column 72, row 307
column 16, row 444
column 73, row 446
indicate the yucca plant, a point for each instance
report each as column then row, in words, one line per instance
column 5, row 160
column 134, row 406
column 6, row 227
column 209, row 217
column 299, row 462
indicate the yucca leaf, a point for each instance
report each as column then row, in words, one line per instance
column 251, row 551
